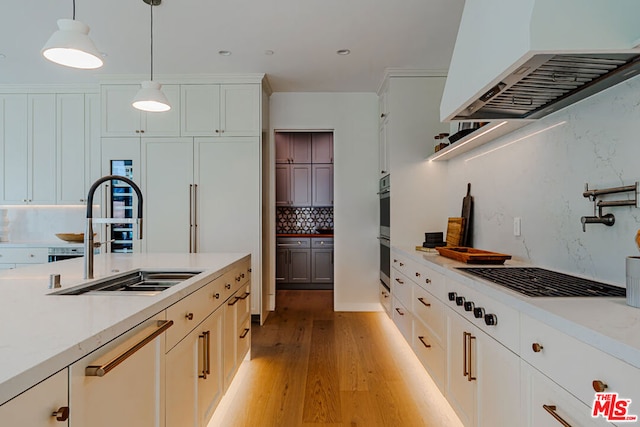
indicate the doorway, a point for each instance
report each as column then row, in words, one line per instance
column 304, row 256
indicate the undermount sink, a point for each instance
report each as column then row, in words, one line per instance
column 140, row 282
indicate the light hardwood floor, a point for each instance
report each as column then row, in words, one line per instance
column 313, row 367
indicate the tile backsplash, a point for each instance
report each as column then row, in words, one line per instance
column 302, row 220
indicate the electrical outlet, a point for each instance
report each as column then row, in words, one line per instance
column 517, row 223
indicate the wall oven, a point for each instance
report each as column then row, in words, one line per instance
column 385, row 231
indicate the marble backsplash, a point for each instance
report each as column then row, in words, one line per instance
column 538, row 174
column 302, row 220
column 41, row 223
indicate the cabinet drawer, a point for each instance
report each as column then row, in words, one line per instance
column 430, row 310
column 293, row 242
column 429, row 352
column 191, row 310
column 385, row 299
column 400, row 263
column 244, row 340
column 24, row 255
column 402, row 318
column 402, row 288
column 320, row 243
column 429, row 280
column 575, row 365
column 244, row 303
column 539, row 392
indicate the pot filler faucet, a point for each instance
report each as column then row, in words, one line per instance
column 88, row 234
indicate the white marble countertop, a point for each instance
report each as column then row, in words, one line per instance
column 608, row 324
column 41, row 334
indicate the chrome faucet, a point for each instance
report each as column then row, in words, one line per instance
column 88, row 234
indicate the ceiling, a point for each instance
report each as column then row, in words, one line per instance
column 303, row 34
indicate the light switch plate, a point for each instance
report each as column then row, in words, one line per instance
column 517, row 226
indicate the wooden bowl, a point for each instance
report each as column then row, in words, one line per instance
column 71, row 237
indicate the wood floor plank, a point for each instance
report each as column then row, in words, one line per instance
column 322, row 393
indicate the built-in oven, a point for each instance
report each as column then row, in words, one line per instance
column 385, row 231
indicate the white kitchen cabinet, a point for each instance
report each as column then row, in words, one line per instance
column 462, row 356
column 130, row 393
column 194, row 374
column 220, row 110
column 119, row 118
column 293, row 147
column 29, row 149
column 383, row 148
column 77, row 139
column 237, row 332
column 44, row 405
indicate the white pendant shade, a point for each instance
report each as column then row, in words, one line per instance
column 151, row 98
column 72, row 47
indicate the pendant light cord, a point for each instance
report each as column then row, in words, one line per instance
column 151, row 3
column 74, row 10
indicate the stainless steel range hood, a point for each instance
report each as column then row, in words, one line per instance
column 529, row 59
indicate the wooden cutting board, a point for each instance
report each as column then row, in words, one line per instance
column 473, row 256
column 455, row 230
column 467, row 212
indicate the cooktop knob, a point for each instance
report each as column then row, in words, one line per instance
column 469, row 306
column 478, row 312
column 491, row 319
column 452, row 296
column 459, row 301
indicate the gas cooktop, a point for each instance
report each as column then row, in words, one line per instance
column 538, row 282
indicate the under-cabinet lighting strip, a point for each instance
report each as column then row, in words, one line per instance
column 518, row 140
column 469, row 140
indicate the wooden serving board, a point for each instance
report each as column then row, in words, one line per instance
column 455, row 230
column 472, row 255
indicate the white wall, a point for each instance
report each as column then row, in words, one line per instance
column 353, row 117
column 541, row 178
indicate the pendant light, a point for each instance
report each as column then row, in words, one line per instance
column 150, row 96
column 71, row 46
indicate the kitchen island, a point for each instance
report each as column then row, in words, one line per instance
column 43, row 334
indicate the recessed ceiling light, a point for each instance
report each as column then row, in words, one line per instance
column 224, row 52
column 269, row 52
column 343, row 52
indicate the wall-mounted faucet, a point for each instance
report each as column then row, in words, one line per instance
column 88, row 234
column 606, row 219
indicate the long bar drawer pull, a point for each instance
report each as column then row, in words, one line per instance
column 399, row 281
column 100, row 371
column 244, row 333
column 245, row 296
column 399, row 311
column 424, row 343
column 235, row 300
column 206, row 369
column 551, row 409
column 426, row 304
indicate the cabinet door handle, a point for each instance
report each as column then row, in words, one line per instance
column 244, row 333
column 426, row 304
column 100, row 371
column 399, row 311
column 62, row 414
column 206, row 369
column 235, row 300
column 465, row 364
column 470, row 377
column 245, row 296
column 551, row 409
column 399, row 281
column 195, row 218
column 190, row 218
column 424, row 343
